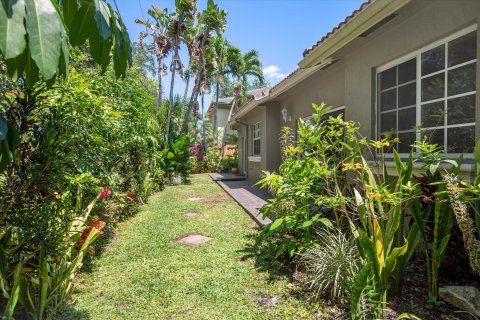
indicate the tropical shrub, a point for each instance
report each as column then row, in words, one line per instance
column 433, row 205
column 35, row 40
column 380, row 211
column 82, row 135
column 175, row 160
column 309, row 178
column 229, row 162
column 330, row 175
column 332, row 264
column 210, row 160
column 464, row 195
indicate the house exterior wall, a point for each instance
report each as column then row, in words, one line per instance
column 324, row 86
column 254, row 167
column 222, row 117
column 242, row 147
column 274, row 123
column 419, row 24
column 350, row 82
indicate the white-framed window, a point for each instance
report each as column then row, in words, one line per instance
column 431, row 92
column 256, row 138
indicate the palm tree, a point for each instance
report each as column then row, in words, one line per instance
column 189, row 38
column 242, row 67
column 161, row 45
column 180, row 21
column 212, row 19
column 251, row 67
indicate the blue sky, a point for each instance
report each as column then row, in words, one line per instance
column 279, row 29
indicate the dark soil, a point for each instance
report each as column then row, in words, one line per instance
column 415, row 292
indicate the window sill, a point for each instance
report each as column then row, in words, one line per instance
column 255, row 159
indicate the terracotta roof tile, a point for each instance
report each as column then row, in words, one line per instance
column 338, row 27
column 291, row 74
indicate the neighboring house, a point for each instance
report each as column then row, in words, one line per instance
column 223, row 111
column 390, row 65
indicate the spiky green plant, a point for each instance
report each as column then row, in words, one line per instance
column 332, row 264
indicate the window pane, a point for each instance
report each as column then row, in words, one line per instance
column 407, row 71
column 407, row 95
column 388, row 121
column 388, row 78
column 461, row 110
column 433, row 114
column 333, row 114
column 462, row 79
column 256, row 147
column 433, row 87
column 406, row 119
column 388, row 100
column 433, row 60
column 461, row 139
column 435, row 137
column 462, row 49
column 406, row 140
column 337, row 113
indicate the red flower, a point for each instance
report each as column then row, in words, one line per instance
column 105, row 193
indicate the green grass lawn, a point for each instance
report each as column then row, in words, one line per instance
column 145, row 274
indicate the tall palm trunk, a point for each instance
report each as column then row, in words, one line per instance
column 159, row 75
column 191, row 103
column 187, row 84
column 203, row 123
column 173, row 69
column 198, row 79
column 215, row 109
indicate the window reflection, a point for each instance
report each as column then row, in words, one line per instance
column 433, row 60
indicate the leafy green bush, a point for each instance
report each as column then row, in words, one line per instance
column 309, row 179
column 82, row 134
column 229, row 162
column 210, row 160
column 175, row 159
column 331, row 175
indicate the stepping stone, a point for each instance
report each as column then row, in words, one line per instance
column 191, row 214
column 267, row 301
column 193, row 239
column 463, row 297
column 194, row 199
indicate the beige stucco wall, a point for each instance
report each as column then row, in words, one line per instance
column 350, row 81
column 418, row 24
column 222, row 116
column 242, row 134
column 254, row 169
column 273, row 127
column 323, row 86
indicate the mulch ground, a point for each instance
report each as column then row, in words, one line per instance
column 415, row 292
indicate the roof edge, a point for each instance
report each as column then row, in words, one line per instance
column 361, row 20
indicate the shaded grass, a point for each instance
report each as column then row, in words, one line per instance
column 145, row 274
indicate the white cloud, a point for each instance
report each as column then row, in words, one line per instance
column 273, row 72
